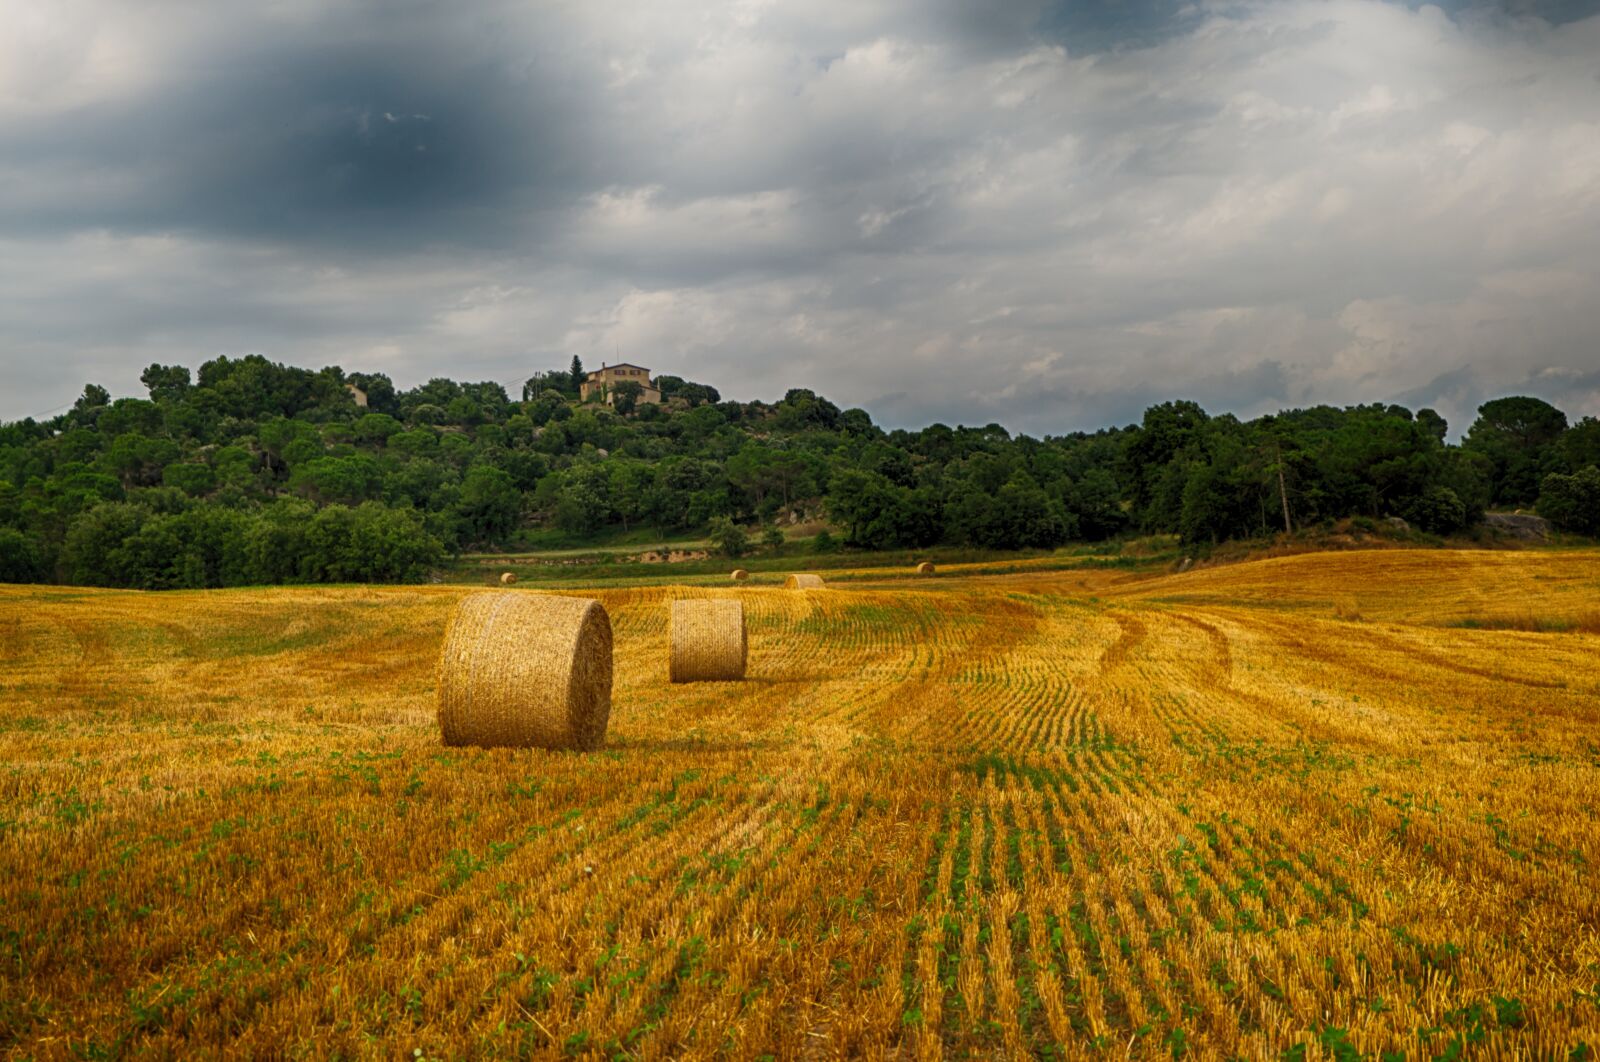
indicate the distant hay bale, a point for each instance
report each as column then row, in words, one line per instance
column 526, row 670
column 925, row 568
column 803, row 582
column 709, row 641
column 507, row 578
column 739, row 575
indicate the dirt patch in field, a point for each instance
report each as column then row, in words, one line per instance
column 13, row 640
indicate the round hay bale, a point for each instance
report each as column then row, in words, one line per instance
column 739, row 575
column 526, row 670
column 925, row 568
column 803, row 582
column 507, row 578
column 709, row 641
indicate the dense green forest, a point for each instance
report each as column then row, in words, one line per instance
column 253, row 472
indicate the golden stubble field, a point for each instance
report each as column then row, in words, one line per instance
column 1295, row 808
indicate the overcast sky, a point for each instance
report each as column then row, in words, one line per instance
column 958, row 210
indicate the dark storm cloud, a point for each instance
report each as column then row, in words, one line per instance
column 1047, row 214
column 421, row 129
column 1556, row 12
column 1097, row 25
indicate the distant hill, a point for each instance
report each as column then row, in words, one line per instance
column 254, row 472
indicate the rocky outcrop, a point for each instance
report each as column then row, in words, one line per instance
column 1523, row 526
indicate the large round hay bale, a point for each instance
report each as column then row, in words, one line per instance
column 803, row 582
column 507, row 578
column 925, row 568
column 526, row 670
column 709, row 641
column 739, row 575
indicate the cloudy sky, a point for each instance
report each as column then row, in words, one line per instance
column 965, row 210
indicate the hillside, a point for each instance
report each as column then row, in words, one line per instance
column 253, row 473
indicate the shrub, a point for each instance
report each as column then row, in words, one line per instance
column 728, row 537
column 19, row 558
column 195, row 480
column 94, row 547
column 491, row 505
column 369, row 544
column 198, row 549
column 625, row 396
column 1572, row 502
column 1438, row 511
column 377, row 428
column 275, row 545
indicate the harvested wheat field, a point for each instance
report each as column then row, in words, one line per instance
column 1327, row 806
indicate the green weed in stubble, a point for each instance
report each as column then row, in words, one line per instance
column 526, row 789
column 151, row 1010
column 69, row 809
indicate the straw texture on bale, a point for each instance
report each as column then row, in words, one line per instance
column 709, row 641
column 526, row 670
column 925, row 568
column 803, row 582
column 739, row 575
column 507, row 578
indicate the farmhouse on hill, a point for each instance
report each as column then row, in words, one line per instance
column 604, row 380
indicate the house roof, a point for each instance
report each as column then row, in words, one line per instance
column 618, row 365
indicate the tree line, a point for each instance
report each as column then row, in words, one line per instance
column 250, row 472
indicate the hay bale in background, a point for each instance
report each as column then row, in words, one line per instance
column 709, row 641
column 739, row 575
column 925, row 568
column 507, row 578
column 803, row 582
column 526, row 670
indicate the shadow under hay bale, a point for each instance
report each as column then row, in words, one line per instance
column 803, row 582
column 526, row 671
column 925, row 568
column 710, row 642
column 739, row 575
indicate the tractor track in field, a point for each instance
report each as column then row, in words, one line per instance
column 188, row 643
column 1446, row 663
column 94, row 652
column 1131, row 633
column 1353, row 649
